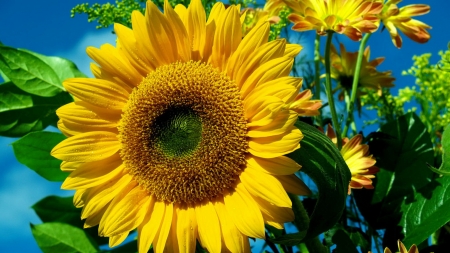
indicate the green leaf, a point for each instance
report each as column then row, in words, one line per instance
column 344, row 243
column 402, row 149
column 29, row 72
column 322, row 161
column 426, row 213
column 33, row 150
column 61, row 209
column 444, row 169
column 290, row 239
column 57, row 209
column 21, row 112
column 57, row 237
column 63, row 68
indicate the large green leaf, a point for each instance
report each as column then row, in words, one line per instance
column 21, row 112
column 33, row 150
column 61, row 209
column 322, row 161
column 402, row 149
column 29, row 72
column 54, row 237
column 430, row 209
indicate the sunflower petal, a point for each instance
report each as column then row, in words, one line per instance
column 208, row 226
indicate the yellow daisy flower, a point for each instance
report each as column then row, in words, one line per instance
column 351, row 18
column 402, row 248
column 394, row 18
column 343, row 69
column 358, row 159
column 183, row 131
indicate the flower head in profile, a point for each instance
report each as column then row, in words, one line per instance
column 358, row 159
column 402, row 248
column 183, row 132
column 395, row 18
column 343, row 69
column 351, row 18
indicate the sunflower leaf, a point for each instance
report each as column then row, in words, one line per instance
column 290, row 239
column 33, row 150
column 29, row 72
column 22, row 112
column 61, row 209
column 59, row 237
column 445, row 166
column 322, row 161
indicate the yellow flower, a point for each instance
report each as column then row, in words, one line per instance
column 183, row 131
column 351, row 18
column 393, row 18
column 358, row 159
column 343, row 69
column 304, row 106
column 402, row 248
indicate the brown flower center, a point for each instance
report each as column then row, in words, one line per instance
column 183, row 133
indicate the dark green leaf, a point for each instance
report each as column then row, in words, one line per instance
column 57, row 237
column 343, row 242
column 290, row 239
column 61, row 209
column 57, row 209
column 21, row 112
column 426, row 214
column 445, row 166
column 29, row 72
column 33, row 150
column 322, row 161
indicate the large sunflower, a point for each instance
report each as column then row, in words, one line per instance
column 183, row 131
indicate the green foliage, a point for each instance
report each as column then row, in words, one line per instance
column 402, row 149
column 431, row 93
column 53, row 237
column 108, row 14
column 275, row 29
column 322, row 161
column 33, row 150
column 22, row 112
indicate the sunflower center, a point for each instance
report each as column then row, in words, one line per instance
column 177, row 132
column 184, row 134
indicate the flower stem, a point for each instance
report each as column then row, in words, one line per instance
column 351, row 103
column 317, row 73
column 334, row 117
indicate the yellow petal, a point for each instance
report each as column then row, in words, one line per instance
column 98, row 92
column 208, row 226
column 196, row 28
column 161, row 237
column 265, row 186
column 181, row 36
column 79, row 198
column 125, row 212
column 233, row 238
column 151, row 224
column 274, row 215
column 186, row 230
column 293, row 184
column 142, row 39
column 87, row 147
column 117, row 239
column 292, row 50
column 281, row 165
column 279, row 125
column 274, row 146
column 91, row 174
column 245, row 212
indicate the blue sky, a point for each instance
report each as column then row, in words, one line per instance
column 46, row 27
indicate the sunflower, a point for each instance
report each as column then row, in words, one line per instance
column 358, row 159
column 343, row 67
column 183, row 131
column 351, row 18
column 394, row 18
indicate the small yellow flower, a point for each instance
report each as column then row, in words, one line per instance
column 343, row 69
column 394, row 18
column 358, row 159
column 402, row 248
column 351, row 18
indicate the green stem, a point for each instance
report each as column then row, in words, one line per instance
column 317, row 73
column 351, row 104
column 334, row 117
column 315, row 246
